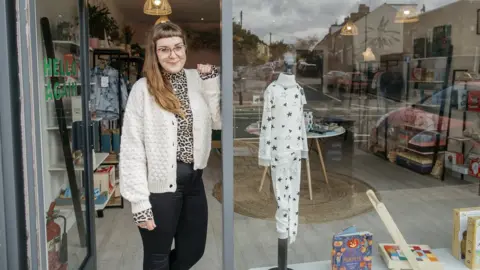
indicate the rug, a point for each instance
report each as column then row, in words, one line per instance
column 342, row 198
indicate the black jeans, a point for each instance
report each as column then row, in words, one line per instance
column 182, row 215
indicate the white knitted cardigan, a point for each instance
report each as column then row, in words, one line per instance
column 149, row 139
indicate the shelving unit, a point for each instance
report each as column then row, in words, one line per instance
column 412, row 157
column 99, row 207
column 67, row 44
column 462, row 140
column 65, row 167
column 98, row 159
column 58, row 143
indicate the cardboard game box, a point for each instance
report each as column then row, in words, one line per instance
column 460, row 220
column 395, row 259
column 472, row 256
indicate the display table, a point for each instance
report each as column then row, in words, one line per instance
column 444, row 254
column 316, row 137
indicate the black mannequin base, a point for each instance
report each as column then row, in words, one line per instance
column 282, row 255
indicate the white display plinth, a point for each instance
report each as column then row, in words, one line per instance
column 443, row 254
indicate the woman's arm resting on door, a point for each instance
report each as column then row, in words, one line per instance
column 211, row 90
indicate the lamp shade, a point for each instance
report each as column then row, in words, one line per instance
column 368, row 55
column 406, row 14
column 157, row 7
column 349, row 29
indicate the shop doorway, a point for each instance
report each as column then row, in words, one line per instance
column 88, row 55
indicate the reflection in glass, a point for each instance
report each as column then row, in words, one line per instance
column 406, row 14
column 349, row 29
column 391, row 106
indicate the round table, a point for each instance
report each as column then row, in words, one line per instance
column 254, row 129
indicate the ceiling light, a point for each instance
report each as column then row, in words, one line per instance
column 349, row 29
column 201, row 19
column 406, row 14
column 368, row 55
column 157, row 8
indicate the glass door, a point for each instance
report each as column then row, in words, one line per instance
column 67, row 143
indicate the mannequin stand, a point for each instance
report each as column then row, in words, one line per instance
column 282, row 255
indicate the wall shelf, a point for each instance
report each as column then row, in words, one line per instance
column 98, row 159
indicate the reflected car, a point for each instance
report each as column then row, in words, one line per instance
column 334, row 79
column 354, row 81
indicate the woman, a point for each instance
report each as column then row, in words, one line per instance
column 166, row 142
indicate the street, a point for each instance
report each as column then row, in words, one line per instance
column 363, row 110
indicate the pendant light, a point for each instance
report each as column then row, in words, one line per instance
column 349, row 29
column 406, row 14
column 158, row 8
column 368, row 55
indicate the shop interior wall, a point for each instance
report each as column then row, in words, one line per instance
column 195, row 56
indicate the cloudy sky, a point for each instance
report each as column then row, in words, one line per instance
column 291, row 19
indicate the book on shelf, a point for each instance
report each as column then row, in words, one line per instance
column 352, row 250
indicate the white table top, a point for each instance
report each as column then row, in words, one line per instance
column 450, row 263
column 337, row 132
column 311, row 135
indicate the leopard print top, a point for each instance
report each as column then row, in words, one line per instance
column 185, row 126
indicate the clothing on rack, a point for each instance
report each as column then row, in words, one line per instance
column 283, row 142
column 104, row 92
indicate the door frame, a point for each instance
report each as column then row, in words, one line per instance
column 227, row 133
column 90, row 262
column 13, row 234
column 21, row 128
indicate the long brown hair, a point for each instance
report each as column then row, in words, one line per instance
column 158, row 86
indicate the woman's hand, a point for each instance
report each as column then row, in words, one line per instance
column 149, row 225
column 203, row 69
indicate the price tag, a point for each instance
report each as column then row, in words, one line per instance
column 104, row 82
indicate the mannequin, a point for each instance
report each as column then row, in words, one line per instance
column 283, row 143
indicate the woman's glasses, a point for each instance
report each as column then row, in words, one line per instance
column 179, row 50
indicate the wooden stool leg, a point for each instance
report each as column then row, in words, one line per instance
column 321, row 160
column 263, row 178
column 309, row 178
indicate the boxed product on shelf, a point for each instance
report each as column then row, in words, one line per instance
column 460, row 221
column 473, row 101
column 453, row 158
column 472, row 254
column 395, row 259
column 474, row 167
column 425, row 142
column 415, row 162
column 104, row 178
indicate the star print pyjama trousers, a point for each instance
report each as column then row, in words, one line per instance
column 286, row 174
